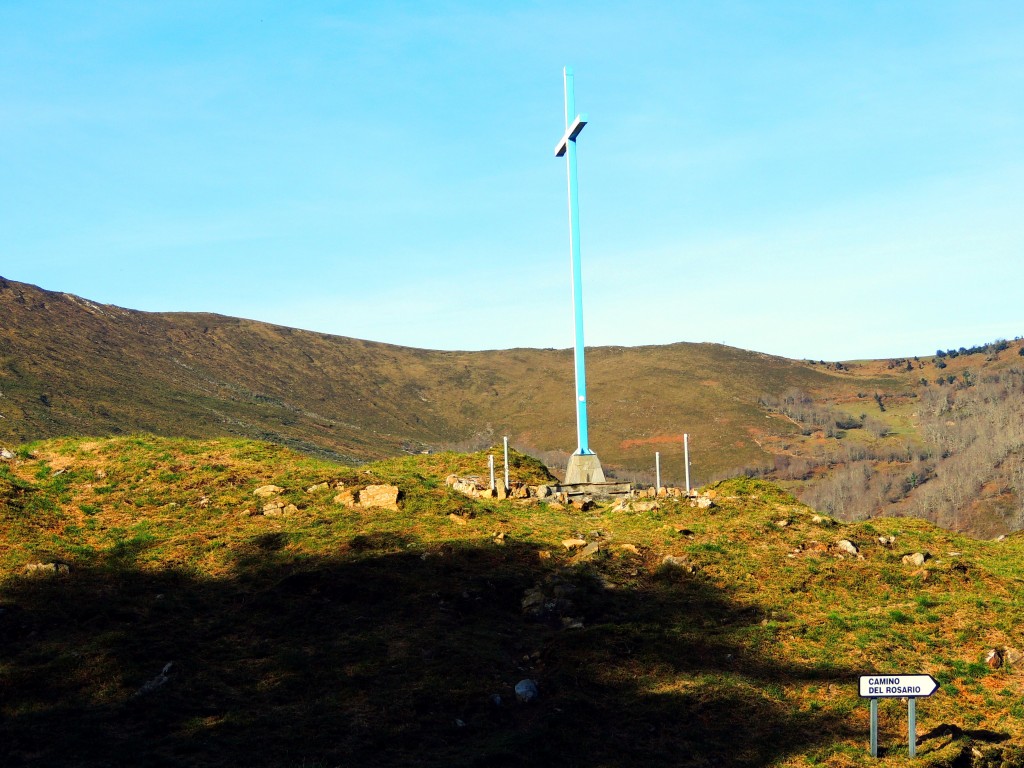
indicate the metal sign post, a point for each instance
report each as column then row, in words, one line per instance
column 910, row 687
column 657, row 470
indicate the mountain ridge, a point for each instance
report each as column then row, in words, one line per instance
column 188, row 362
column 855, row 439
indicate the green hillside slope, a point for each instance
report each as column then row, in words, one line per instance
column 336, row 636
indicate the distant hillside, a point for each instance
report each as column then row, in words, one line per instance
column 156, row 611
column 72, row 367
column 68, row 366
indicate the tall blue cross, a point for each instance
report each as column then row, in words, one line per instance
column 567, row 146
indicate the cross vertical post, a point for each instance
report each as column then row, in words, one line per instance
column 585, row 470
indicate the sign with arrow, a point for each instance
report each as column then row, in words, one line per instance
column 908, row 687
column 897, row 686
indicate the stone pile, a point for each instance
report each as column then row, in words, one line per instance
column 477, row 487
column 372, row 496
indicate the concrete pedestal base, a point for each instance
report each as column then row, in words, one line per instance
column 584, row 468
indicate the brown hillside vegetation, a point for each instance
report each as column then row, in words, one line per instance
column 855, row 439
column 73, row 367
column 152, row 615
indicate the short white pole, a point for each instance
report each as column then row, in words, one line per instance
column 490, row 464
column 686, row 460
column 506, row 463
column 657, row 469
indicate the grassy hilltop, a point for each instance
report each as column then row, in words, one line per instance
column 365, row 637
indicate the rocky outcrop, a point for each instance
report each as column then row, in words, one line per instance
column 380, row 497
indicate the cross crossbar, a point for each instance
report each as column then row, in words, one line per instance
column 570, row 135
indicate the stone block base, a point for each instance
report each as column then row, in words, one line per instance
column 584, row 468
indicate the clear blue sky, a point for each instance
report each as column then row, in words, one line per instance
column 811, row 179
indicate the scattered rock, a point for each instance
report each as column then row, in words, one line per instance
column 520, row 492
column 644, row 506
column 5, row 454
column 533, row 600
column 569, row 622
column 563, row 589
column 474, row 486
column 458, row 519
column 1012, row 656
column 702, row 502
column 683, row 563
column 813, row 546
column 501, row 491
column 845, row 545
column 573, row 544
column 204, row 502
column 1001, row 537
column 265, row 491
column 526, row 691
column 887, row 541
column 819, row 520
column 556, row 505
column 460, row 723
column 589, row 551
column 279, row 509
column 346, row 499
column 584, row 503
column 48, row 569
column 543, row 554
column 994, row 658
column 495, row 699
column 631, row 548
column 157, row 682
column 318, row 487
column 379, row 496
column 916, row 559
column 542, row 492
column 499, row 538
column 782, row 523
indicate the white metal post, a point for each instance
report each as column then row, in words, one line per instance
column 507, row 486
column 657, row 469
column 686, row 460
column 490, row 464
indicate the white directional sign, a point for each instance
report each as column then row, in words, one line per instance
column 897, row 686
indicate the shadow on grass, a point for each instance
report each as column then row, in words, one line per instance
column 394, row 658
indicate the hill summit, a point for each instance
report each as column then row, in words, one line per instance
column 152, row 612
